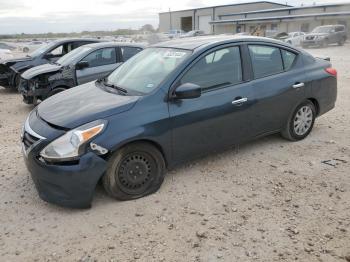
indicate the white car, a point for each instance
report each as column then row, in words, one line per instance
column 5, row 54
column 294, row 38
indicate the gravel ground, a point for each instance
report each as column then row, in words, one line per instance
column 269, row 200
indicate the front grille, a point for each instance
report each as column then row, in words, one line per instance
column 29, row 140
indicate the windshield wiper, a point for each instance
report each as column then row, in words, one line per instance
column 104, row 81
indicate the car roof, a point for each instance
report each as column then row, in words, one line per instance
column 202, row 41
column 65, row 40
column 113, row 44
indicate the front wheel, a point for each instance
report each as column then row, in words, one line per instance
column 342, row 41
column 301, row 122
column 134, row 171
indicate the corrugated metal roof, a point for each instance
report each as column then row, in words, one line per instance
column 215, row 6
column 287, row 9
column 279, row 17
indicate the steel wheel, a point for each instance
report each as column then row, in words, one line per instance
column 134, row 171
column 134, row 174
column 303, row 120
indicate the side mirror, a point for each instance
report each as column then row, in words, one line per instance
column 187, row 91
column 82, row 65
column 49, row 56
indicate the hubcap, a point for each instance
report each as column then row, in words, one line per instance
column 135, row 172
column 303, row 120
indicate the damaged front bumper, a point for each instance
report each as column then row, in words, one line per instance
column 31, row 90
column 7, row 76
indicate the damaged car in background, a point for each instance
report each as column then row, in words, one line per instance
column 84, row 64
column 11, row 69
column 323, row 36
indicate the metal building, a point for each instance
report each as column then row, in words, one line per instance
column 246, row 17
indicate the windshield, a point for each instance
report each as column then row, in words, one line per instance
column 322, row 29
column 72, row 56
column 145, row 71
column 42, row 49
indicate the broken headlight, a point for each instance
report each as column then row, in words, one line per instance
column 71, row 145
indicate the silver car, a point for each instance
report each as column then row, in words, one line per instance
column 82, row 65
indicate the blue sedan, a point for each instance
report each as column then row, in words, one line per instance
column 171, row 103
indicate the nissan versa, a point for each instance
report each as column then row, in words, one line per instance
column 84, row 64
column 170, row 103
column 11, row 69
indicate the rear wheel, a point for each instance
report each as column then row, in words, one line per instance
column 342, row 41
column 134, row 171
column 301, row 122
column 25, row 49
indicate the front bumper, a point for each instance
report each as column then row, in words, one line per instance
column 69, row 184
column 31, row 94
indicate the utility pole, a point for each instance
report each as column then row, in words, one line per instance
column 171, row 22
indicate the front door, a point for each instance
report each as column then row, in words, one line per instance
column 101, row 63
column 221, row 116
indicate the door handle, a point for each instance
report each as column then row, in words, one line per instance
column 298, row 85
column 239, row 101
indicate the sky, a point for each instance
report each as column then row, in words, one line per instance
column 42, row 16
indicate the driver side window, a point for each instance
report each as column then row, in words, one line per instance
column 218, row 69
column 105, row 56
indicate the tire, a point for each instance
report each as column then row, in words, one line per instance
column 342, row 41
column 294, row 131
column 56, row 91
column 26, row 50
column 120, row 180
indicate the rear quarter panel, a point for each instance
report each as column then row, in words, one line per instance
column 323, row 85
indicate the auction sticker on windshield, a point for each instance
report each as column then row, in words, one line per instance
column 174, row 54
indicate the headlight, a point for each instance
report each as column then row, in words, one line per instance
column 71, row 145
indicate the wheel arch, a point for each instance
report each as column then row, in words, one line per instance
column 143, row 140
column 316, row 104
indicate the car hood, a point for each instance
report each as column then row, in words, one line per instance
column 42, row 69
column 83, row 104
column 10, row 62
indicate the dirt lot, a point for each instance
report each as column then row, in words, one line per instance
column 269, row 200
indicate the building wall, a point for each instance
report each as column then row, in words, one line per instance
column 237, row 12
column 214, row 12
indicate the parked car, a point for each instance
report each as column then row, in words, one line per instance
column 10, row 70
column 193, row 33
column 170, row 103
column 324, row 35
column 84, row 64
column 5, row 54
column 175, row 33
column 294, row 38
column 7, row 46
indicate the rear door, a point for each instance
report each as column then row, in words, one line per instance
column 279, row 85
column 101, row 63
column 221, row 116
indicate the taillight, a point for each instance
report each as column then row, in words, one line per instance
column 332, row 71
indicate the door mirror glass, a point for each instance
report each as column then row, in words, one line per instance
column 81, row 65
column 188, row 91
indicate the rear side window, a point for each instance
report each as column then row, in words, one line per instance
column 288, row 59
column 128, row 52
column 266, row 60
column 217, row 69
column 105, row 56
column 339, row 29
